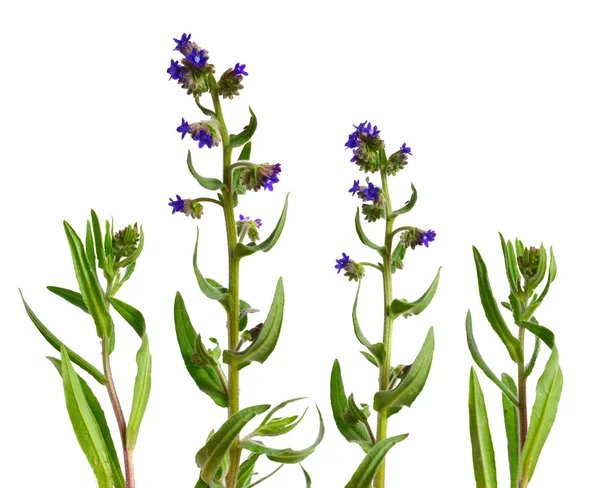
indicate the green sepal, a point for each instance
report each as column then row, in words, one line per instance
column 73, row 297
column 511, row 426
column 353, row 432
column 262, row 347
column 378, row 349
column 285, row 456
column 131, row 315
column 410, row 204
column 277, row 426
column 58, row 345
column 237, row 140
column 141, row 392
column 492, row 312
column 366, row 471
column 205, row 377
column 391, row 401
column 402, row 307
column 479, row 361
column 246, row 471
column 209, row 289
column 242, row 250
column 362, row 236
column 484, row 461
column 212, row 184
column 510, row 264
column 548, row 392
column 96, row 408
column 85, row 425
column 209, row 458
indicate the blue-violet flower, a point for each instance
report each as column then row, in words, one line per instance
column 177, row 204
column 240, row 69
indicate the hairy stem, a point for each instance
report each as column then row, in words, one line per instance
column 522, row 392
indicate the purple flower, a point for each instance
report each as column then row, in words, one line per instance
column 240, row 69
column 371, row 192
column 342, row 263
column 269, row 180
column 366, row 128
column 354, row 188
column 405, row 149
column 183, row 128
column 203, row 138
column 183, row 42
column 427, row 237
column 177, row 204
column 197, row 58
column 258, row 222
column 175, row 70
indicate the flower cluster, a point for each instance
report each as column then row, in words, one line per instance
column 414, row 237
column 369, row 193
column 247, row 227
column 260, row 176
column 190, row 208
column 193, row 70
column 125, row 242
column 398, row 160
column 353, row 270
column 365, row 144
column 230, row 83
column 206, row 133
column 529, row 262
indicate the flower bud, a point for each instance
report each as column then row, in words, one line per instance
column 125, row 242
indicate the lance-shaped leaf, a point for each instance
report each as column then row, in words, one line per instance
column 484, row 461
column 135, row 254
column 237, row 140
column 209, row 289
column 206, row 111
column 479, row 361
column 547, row 397
column 88, row 284
column 511, row 425
column 277, row 426
column 246, row 152
column 209, row 458
column 242, row 250
column 409, row 388
column 246, row 471
column 492, row 312
column 402, row 307
column 306, row 477
column 58, row 344
column 96, row 408
column 353, row 432
column 131, row 315
column 534, row 356
column 262, row 347
column 208, row 183
column 361, row 233
column 73, row 297
column 89, row 245
column 409, row 205
column 378, row 349
column 272, row 473
column 364, row 474
column 285, row 456
column 204, row 376
column 141, row 392
column 545, row 334
column 108, row 240
column 84, row 423
column 369, row 357
column 512, row 269
column 98, row 242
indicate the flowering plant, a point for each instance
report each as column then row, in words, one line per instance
column 111, row 254
column 525, row 270
column 399, row 385
column 220, row 459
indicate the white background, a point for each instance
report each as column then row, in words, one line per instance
column 500, row 105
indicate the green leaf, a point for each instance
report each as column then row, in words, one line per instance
column 58, row 344
column 378, row 350
column 534, row 356
column 70, row 296
column 409, row 205
column 479, row 361
column 369, row 357
column 210, row 290
column 306, row 477
column 277, row 426
column 364, row 474
column 246, row 152
column 98, row 242
column 547, row 397
column 266, row 477
column 88, row 284
column 84, row 423
column 246, row 471
column 205, row 377
column 89, row 245
column 361, row 233
column 98, row 413
column 484, row 461
column 141, row 392
column 546, row 335
column 237, row 140
column 511, row 425
column 353, row 432
column 108, row 248
column 411, row 386
column 551, row 277
column 262, row 347
column 402, row 307
column 285, row 456
column 205, row 111
column 212, row 184
column 242, row 250
column 512, row 269
column 209, row 458
column 492, row 312
column 131, row 315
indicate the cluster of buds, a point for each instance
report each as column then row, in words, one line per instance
column 230, row 83
column 398, row 160
column 188, row 207
column 370, row 193
column 260, row 176
column 125, row 242
column 353, row 270
column 193, row 71
column 414, row 237
column 250, row 335
column 529, row 262
column 206, row 133
column 246, row 227
column 365, row 144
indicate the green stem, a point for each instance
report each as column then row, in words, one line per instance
column 205, row 199
column 388, row 323
column 233, row 328
column 522, row 392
